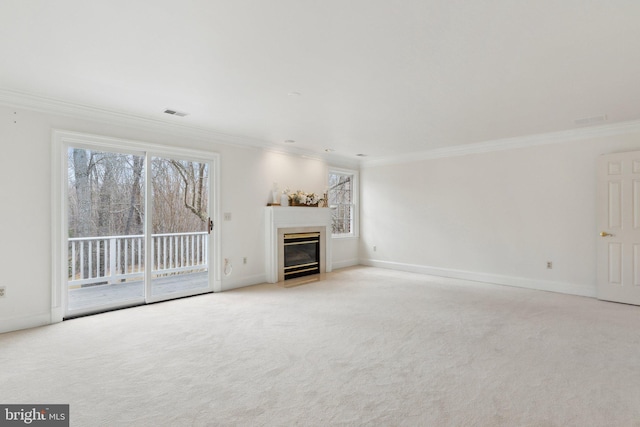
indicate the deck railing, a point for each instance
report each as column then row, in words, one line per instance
column 114, row 259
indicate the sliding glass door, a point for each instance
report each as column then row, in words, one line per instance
column 105, row 214
column 180, row 227
column 139, row 228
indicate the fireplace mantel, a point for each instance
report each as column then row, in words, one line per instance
column 279, row 219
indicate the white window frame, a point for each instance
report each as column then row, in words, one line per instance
column 355, row 198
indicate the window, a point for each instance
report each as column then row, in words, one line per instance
column 342, row 196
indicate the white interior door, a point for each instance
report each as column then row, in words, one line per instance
column 618, row 219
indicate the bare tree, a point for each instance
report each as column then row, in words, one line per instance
column 105, row 194
column 193, row 178
column 340, row 200
column 81, row 170
column 135, row 216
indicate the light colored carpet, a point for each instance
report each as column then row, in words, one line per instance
column 366, row 346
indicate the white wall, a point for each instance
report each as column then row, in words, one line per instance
column 345, row 252
column 247, row 175
column 496, row 217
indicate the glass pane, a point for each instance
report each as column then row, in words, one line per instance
column 105, row 221
column 301, row 254
column 340, row 198
column 180, row 238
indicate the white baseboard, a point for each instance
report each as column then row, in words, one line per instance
column 229, row 283
column 344, row 264
column 24, row 322
column 520, row 282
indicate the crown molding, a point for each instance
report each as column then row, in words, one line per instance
column 508, row 144
column 79, row 111
column 46, row 105
column 54, row 106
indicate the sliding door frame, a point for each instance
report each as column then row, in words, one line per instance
column 148, row 227
column 62, row 140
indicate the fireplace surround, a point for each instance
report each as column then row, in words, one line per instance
column 290, row 220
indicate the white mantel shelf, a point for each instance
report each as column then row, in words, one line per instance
column 292, row 218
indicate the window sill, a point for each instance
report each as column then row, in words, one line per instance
column 344, row 236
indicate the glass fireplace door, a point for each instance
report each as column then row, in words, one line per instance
column 301, row 254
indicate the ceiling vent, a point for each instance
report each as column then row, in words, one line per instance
column 175, row 113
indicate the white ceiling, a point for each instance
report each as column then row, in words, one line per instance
column 378, row 77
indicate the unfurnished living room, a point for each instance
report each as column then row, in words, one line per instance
column 318, row 213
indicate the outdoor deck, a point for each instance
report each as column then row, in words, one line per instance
column 106, row 295
column 106, row 272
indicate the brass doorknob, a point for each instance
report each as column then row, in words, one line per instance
column 605, row 234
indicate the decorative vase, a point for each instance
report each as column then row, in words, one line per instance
column 284, row 200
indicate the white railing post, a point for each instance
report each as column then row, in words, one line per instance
column 112, row 261
column 82, row 260
column 140, row 267
column 90, row 272
column 73, row 259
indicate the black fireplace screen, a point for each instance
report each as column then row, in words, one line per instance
column 301, row 254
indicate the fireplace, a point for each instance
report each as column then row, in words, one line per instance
column 301, row 254
column 314, row 224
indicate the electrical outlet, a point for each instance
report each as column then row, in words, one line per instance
column 375, row 248
column 227, row 216
column 244, row 260
column 3, row 291
column 549, row 265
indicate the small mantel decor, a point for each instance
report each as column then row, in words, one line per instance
column 300, row 198
column 274, row 195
